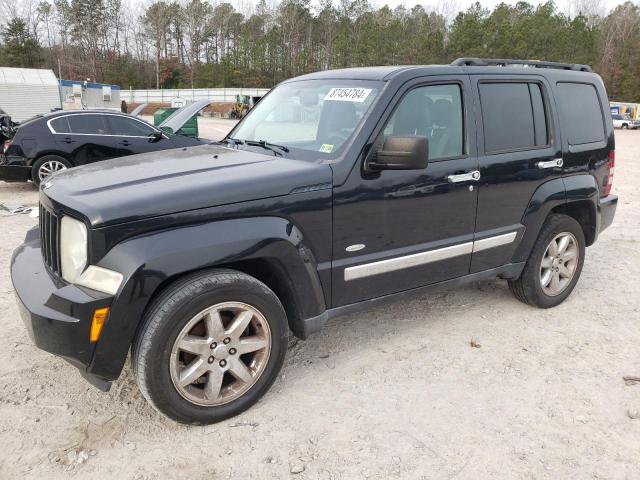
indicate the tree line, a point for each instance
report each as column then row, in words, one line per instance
column 197, row 43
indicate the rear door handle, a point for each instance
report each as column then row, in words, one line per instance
column 465, row 177
column 68, row 140
column 556, row 162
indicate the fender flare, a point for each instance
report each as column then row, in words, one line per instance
column 550, row 195
column 583, row 188
column 149, row 262
column 547, row 196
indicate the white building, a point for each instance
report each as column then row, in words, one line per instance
column 25, row 92
column 79, row 95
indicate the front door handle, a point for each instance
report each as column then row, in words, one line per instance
column 556, row 162
column 125, row 143
column 465, row 177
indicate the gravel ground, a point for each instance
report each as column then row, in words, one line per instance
column 398, row 392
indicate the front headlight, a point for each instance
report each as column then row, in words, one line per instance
column 73, row 248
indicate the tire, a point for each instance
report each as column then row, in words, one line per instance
column 625, row 126
column 529, row 288
column 159, row 363
column 50, row 161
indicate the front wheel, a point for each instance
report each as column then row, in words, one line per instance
column 211, row 345
column 555, row 264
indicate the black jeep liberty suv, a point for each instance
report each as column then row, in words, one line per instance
column 340, row 190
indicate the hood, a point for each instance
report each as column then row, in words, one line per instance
column 171, row 181
column 136, row 111
column 177, row 119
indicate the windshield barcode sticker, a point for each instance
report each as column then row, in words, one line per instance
column 326, row 148
column 348, row 94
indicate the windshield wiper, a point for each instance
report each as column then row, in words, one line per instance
column 234, row 141
column 266, row 145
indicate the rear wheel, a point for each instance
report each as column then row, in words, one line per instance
column 555, row 264
column 46, row 166
column 211, row 345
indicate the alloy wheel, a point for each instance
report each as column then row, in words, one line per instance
column 220, row 353
column 49, row 168
column 559, row 264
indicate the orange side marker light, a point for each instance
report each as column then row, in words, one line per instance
column 99, row 317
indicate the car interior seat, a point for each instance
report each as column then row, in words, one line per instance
column 412, row 116
column 446, row 137
column 337, row 121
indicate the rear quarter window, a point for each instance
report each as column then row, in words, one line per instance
column 581, row 113
column 60, row 125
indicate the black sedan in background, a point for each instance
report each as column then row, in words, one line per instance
column 63, row 139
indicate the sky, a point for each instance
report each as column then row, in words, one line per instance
column 447, row 7
column 458, row 5
column 450, row 7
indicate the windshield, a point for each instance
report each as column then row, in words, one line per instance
column 316, row 117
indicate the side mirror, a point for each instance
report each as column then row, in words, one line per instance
column 156, row 136
column 409, row 152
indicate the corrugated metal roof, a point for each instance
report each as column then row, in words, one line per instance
column 27, row 76
column 25, row 92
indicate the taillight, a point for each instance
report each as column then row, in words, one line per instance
column 610, row 167
column 7, row 144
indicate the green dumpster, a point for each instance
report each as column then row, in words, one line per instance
column 189, row 129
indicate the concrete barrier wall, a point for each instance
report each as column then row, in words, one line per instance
column 191, row 95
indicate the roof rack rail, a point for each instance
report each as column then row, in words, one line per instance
column 504, row 62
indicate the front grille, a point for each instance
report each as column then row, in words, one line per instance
column 49, row 239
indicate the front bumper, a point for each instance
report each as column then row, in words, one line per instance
column 607, row 208
column 57, row 315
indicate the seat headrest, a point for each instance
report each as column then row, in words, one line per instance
column 443, row 112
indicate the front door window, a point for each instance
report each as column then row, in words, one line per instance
column 434, row 111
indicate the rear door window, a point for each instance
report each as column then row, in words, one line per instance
column 581, row 113
column 513, row 116
column 87, row 124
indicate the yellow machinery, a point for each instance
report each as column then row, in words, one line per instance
column 242, row 105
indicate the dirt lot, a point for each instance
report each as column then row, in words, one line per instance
column 393, row 393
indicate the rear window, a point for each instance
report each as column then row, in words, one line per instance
column 581, row 113
column 513, row 116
